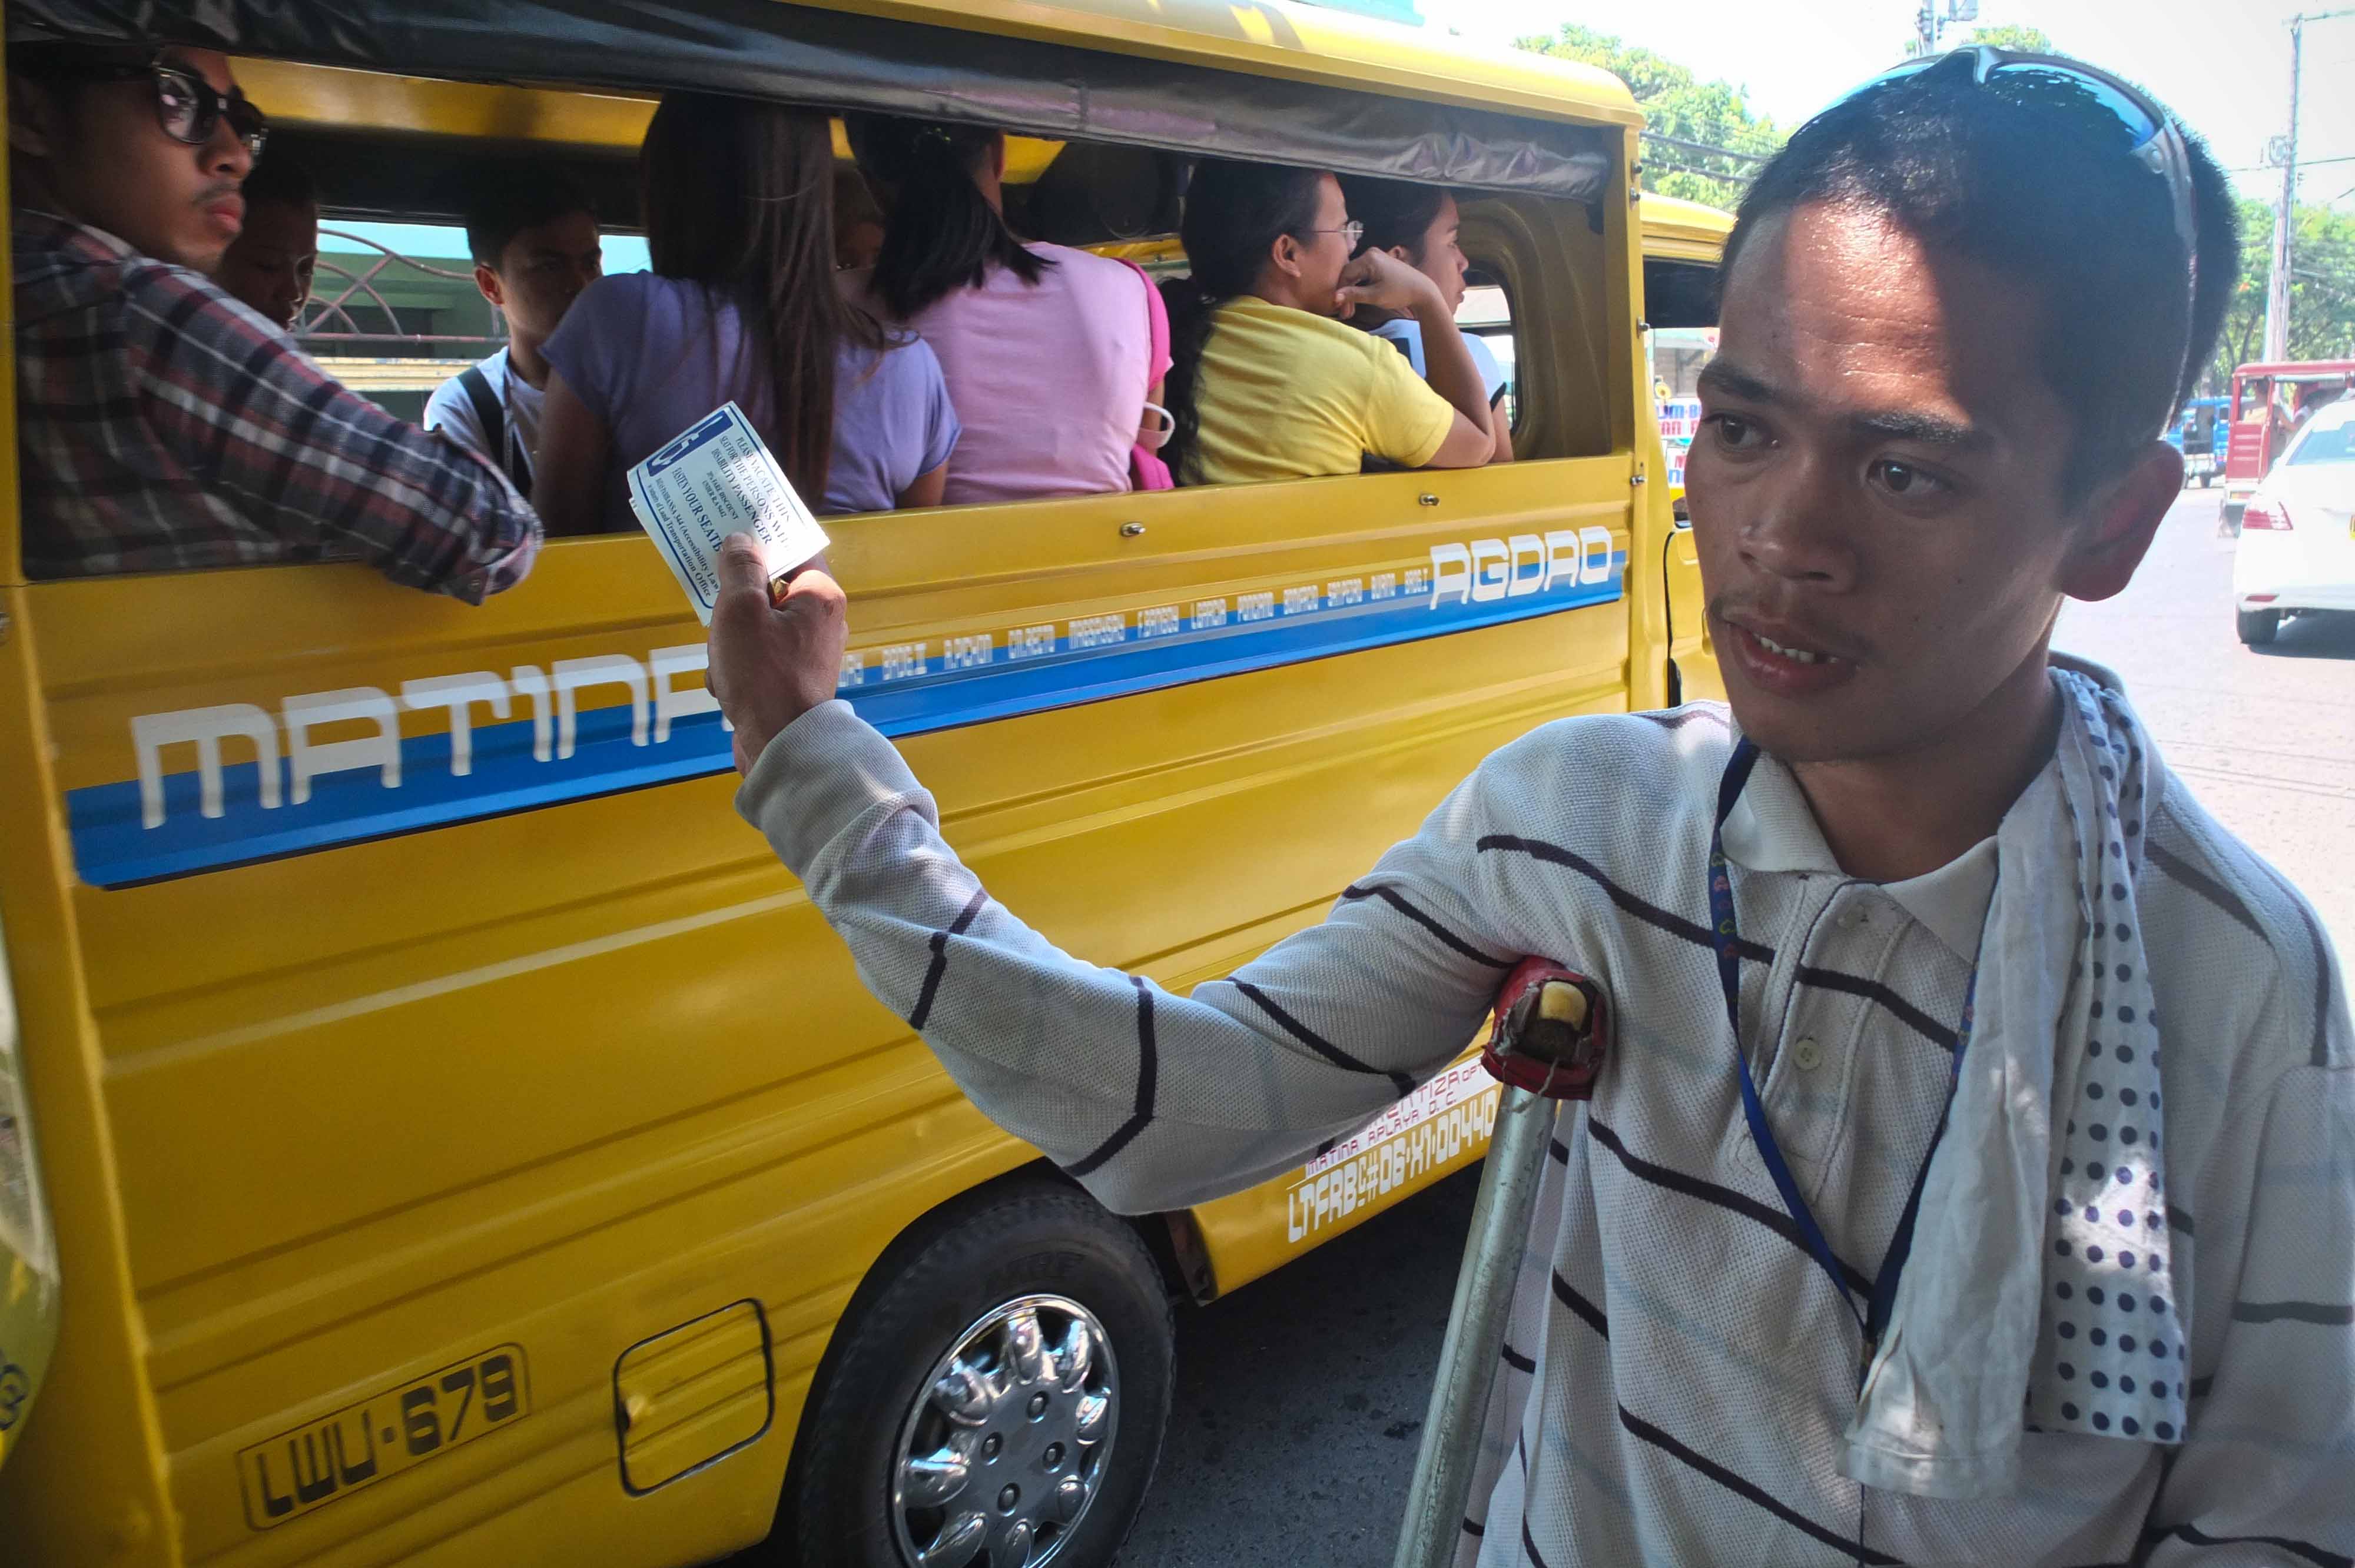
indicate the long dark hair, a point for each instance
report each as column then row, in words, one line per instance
column 943, row 234
column 1396, row 213
column 1234, row 214
column 738, row 196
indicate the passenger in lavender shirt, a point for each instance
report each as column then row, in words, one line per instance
column 645, row 355
column 741, row 306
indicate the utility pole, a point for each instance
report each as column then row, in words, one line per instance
column 2284, row 151
column 1930, row 21
column 2285, row 213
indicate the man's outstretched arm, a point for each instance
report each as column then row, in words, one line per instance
column 1154, row 1101
column 301, row 457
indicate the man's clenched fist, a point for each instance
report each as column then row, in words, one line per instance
column 772, row 662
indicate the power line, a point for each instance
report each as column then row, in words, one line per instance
column 1705, row 148
column 2335, row 281
column 2268, row 168
column 1704, row 174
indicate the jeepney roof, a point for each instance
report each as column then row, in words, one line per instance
column 1679, row 230
column 1306, row 43
column 1257, row 79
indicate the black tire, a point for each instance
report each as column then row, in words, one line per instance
column 2206, row 479
column 2256, row 627
column 954, row 1271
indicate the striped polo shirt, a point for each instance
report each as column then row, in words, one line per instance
column 1679, row 1372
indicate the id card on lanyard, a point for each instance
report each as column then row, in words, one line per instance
column 1872, row 1317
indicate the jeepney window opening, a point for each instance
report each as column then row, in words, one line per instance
column 1486, row 313
column 395, row 312
column 393, row 323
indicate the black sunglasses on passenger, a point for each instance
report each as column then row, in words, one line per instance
column 2155, row 140
column 188, row 107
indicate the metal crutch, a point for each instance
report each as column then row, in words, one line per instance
column 1550, row 1036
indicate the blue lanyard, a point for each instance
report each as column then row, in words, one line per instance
column 1874, row 1319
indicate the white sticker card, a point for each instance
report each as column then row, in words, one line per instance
column 718, row 478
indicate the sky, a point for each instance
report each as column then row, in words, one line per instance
column 2222, row 66
column 444, row 246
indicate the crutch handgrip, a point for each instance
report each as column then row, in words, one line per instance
column 1552, row 1032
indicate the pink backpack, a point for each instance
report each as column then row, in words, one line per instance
column 1145, row 468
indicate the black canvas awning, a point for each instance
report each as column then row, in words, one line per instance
column 767, row 49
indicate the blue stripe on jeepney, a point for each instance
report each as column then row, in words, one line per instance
column 953, row 686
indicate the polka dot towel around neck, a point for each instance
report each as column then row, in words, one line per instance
column 2040, row 1292
column 2111, row 1357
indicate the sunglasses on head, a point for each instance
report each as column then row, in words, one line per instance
column 188, row 107
column 2156, row 142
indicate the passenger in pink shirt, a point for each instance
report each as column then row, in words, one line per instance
column 1046, row 350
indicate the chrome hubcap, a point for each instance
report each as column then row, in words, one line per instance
column 1006, row 1446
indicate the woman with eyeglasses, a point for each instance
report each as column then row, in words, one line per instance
column 163, row 425
column 1265, row 382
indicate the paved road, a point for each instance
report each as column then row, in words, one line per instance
column 1292, row 1442
column 1300, row 1400
column 2265, row 737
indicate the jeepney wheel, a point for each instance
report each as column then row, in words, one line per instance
column 998, row 1397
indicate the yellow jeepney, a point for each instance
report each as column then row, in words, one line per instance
column 1683, row 244
column 462, row 1142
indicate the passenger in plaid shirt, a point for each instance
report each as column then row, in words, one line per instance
column 165, row 426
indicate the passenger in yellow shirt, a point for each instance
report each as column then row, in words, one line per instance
column 1265, row 381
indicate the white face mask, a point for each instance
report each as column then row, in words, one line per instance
column 1153, row 431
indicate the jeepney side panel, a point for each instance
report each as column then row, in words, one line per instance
column 453, row 1043
column 95, row 1420
column 1546, row 257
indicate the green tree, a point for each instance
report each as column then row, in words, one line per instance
column 1702, row 139
column 2013, row 36
column 2321, row 295
column 2017, row 37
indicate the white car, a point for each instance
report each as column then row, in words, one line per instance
column 2296, row 552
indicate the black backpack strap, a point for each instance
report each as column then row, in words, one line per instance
column 492, row 415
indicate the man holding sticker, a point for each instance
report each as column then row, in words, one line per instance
column 1974, row 1180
